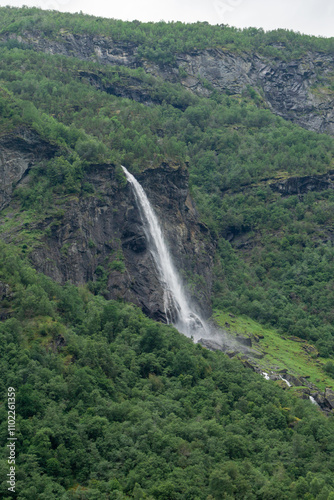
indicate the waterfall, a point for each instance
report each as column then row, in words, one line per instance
column 177, row 306
column 285, row 380
column 313, row 401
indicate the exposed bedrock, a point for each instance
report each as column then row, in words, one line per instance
column 99, row 237
column 298, row 90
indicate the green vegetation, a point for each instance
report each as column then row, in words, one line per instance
column 329, row 368
column 113, row 405
column 230, row 141
column 284, row 278
column 160, row 42
column 287, row 265
column 290, row 353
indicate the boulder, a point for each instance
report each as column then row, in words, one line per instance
column 246, row 341
column 294, row 380
column 310, row 349
column 329, row 397
column 211, row 345
column 319, row 398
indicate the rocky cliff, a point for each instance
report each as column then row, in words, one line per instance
column 298, row 90
column 18, row 152
column 302, row 185
column 99, row 237
column 290, row 89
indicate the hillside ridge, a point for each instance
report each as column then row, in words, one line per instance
column 291, row 89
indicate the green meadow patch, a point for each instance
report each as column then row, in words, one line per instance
column 296, row 355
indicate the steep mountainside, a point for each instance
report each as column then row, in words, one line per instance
column 99, row 237
column 17, row 154
column 110, row 404
column 230, row 134
column 298, row 90
column 261, row 184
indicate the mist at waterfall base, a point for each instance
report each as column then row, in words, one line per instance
column 179, row 309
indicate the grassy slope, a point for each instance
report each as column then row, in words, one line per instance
column 281, row 352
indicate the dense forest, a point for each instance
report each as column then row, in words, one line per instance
column 113, row 405
column 110, row 404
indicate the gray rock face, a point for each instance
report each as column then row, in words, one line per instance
column 319, row 399
column 302, row 185
column 187, row 238
column 132, row 90
column 290, row 89
column 325, row 400
column 296, row 381
column 329, row 398
column 18, row 152
column 84, row 47
column 211, row 345
column 287, row 87
column 100, row 238
column 247, row 341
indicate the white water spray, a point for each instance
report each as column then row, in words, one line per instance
column 313, row 401
column 177, row 307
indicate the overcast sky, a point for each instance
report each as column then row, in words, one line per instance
column 315, row 17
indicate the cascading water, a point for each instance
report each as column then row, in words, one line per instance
column 177, row 307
